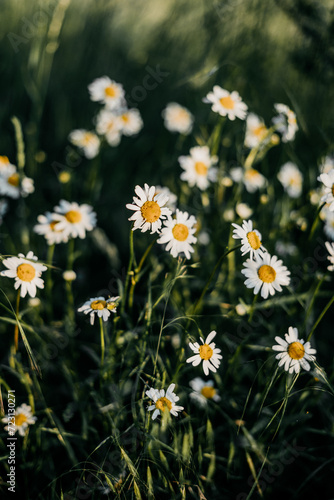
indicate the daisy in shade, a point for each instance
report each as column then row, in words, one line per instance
column 291, row 179
column 163, row 402
column 266, row 274
column 198, row 170
column 73, row 219
column 207, row 353
column 130, row 121
column 256, row 131
column 328, row 189
column 203, row 391
column 227, row 103
column 149, row 209
column 286, row 122
column 107, row 92
column 250, row 177
column 330, row 257
column 86, row 141
column 178, row 234
column 293, row 352
column 48, row 227
column 21, row 421
column 110, row 126
column 251, row 239
column 11, row 184
column 99, row 306
column 26, row 271
column 177, row 118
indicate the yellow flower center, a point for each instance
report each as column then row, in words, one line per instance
column 260, row 131
column 201, row 168
column 73, row 216
column 20, row 419
column 53, row 225
column 14, row 180
column 296, row 350
column 253, row 240
column 208, row 391
column 150, row 211
column 333, row 189
column 98, row 304
column 180, row 232
column 87, row 139
column 267, row 274
column 251, row 173
column 205, row 351
column 111, row 306
column 110, row 91
column 125, row 118
column 181, row 115
column 26, row 272
column 4, row 160
column 163, row 403
column 227, row 102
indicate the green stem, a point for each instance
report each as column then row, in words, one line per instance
column 102, row 340
column 316, row 220
column 320, row 318
column 253, row 308
column 16, row 329
column 137, row 270
column 126, row 285
column 49, row 282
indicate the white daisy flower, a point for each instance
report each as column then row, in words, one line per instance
column 266, row 273
column 203, row 391
column 243, row 210
column 107, row 92
column 206, row 353
column 286, row 122
column 178, row 233
column 294, row 352
column 329, row 225
column 86, row 141
column 177, row 118
column 330, row 257
column 198, row 170
column 100, row 306
column 291, row 179
column 251, row 239
column 48, row 227
column 328, row 183
column 20, row 422
column 110, row 126
column 256, row 131
column 73, row 219
column 149, row 209
column 26, row 271
column 163, row 401
column 253, row 180
column 11, row 184
column 130, row 121
column 226, row 103
column 172, row 198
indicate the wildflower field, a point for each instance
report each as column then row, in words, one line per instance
column 167, row 250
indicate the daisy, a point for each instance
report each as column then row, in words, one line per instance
column 291, row 179
column 48, row 226
column 330, row 257
column 163, row 401
column 27, row 186
column 327, row 164
column 256, row 131
column 198, row 170
column 203, row 391
column 294, row 352
column 149, row 209
column 99, row 306
column 107, row 92
column 110, row 126
column 130, row 121
column 10, row 183
column 250, row 239
column 20, row 422
column 177, row 118
column 226, row 103
column 328, row 183
column 26, row 271
column 87, row 142
column 243, row 210
column 267, row 273
column 73, row 219
column 178, row 233
column 206, row 353
column 253, row 180
column 285, row 122
column 172, row 198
